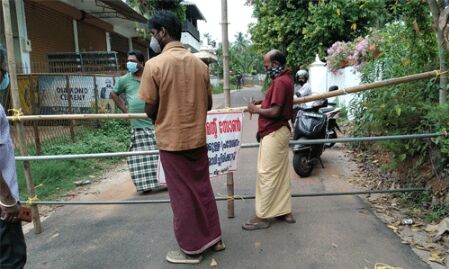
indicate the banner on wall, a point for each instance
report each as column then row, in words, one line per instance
column 105, row 102
column 224, row 136
column 54, row 94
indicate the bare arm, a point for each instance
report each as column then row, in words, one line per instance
column 119, row 102
column 7, row 213
column 151, row 111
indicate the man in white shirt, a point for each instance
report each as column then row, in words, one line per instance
column 12, row 241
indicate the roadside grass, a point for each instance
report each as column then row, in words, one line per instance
column 422, row 201
column 53, row 178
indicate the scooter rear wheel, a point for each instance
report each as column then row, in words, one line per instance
column 302, row 165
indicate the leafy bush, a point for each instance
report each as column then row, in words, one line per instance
column 405, row 108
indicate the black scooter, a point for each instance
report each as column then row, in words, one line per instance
column 310, row 123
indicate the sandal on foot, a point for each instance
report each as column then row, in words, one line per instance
column 251, row 226
column 219, row 246
column 287, row 218
column 178, row 256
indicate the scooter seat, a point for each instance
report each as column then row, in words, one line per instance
column 326, row 109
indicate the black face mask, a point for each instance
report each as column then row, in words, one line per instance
column 274, row 72
column 301, row 82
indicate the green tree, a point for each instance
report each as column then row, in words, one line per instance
column 149, row 7
column 304, row 28
column 437, row 9
column 243, row 57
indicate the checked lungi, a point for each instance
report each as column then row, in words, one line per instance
column 143, row 168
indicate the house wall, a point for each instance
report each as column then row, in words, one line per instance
column 142, row 47
column 49, row 31
column 120, row 44
column 91, row 38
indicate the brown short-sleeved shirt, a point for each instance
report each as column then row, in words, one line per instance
column 178, row 82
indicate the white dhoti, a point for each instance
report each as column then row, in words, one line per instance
column 273, row 189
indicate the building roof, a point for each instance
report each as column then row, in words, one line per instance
column 206, row 56
column 193, row 11
column 122, row 17
column 125, row 10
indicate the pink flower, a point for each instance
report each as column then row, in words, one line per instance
column 361, row 46
column 372, row 47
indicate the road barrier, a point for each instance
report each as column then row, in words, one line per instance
column 19, row 117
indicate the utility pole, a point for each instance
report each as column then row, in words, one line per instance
column 225, row 42
column 227, row 95
column 16, row 106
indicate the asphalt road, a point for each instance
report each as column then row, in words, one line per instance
column 331, row 232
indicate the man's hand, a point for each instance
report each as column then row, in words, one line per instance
column 252, row 108
column 10, row 214
column 119, row 102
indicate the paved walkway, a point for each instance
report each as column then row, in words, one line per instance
column 331, row 232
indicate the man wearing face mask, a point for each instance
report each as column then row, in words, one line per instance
column 143, row 168
column 12, row 241
column 273, row 190
column 176, row 89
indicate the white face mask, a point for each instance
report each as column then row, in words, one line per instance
column 154, row 45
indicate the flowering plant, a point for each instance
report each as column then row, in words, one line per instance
column 356, row 53
column 339, row 55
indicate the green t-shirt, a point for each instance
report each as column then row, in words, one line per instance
column 129, row 85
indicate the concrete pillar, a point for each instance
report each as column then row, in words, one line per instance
column 318, row 76
column 130, row 43
column 24, row 43
column 108, row 41
column 75, row 36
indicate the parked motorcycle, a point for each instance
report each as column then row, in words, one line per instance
column 315, row 122
column 333, row 114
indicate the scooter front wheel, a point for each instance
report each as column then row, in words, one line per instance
column 302, row 164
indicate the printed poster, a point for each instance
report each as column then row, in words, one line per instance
column 224, row 136
column 54, row 94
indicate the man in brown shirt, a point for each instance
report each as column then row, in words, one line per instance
column 175, row 87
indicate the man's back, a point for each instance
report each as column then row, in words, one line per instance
column 182, row 83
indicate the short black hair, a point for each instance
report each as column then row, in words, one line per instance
column 169, row 21
column 279, row 57
column 139, row 55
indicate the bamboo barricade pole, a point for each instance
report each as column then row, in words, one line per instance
column 16, row 105
column 370, row 86
column 354, row 89
column 227, row 93
column 69, row 99
column 34, row 105
column 97, row 123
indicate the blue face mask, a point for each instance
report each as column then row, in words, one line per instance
column 132, row 67
column 5, row 82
